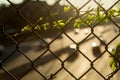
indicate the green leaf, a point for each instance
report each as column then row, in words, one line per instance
column 106, row 20
column 26, row 28
column 67, row 8
column 41, row 18
column 37, row 27
column 46, row 25
column 59, row 21
column 22, row 30
column 117, row 50
column 59, row 24
column 77, row 23
column 62, row 24
column 112, row 64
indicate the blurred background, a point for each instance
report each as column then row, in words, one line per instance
column 70, row 53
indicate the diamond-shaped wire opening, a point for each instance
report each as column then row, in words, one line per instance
column 33, row 50
column 110, row 32
column 62, row 50
column 20, row 64
column 63, row 46
column 60, row 40
column 101, row 31
column 29, row 12
column 91, row 47
column 58, row 11
column 78, row 34
column 92, row 74
column 47, row 64
column 102, row 64
column 78, row 67
column 49, row 31
column 14, row 27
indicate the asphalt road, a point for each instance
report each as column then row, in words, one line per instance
column 47, row 64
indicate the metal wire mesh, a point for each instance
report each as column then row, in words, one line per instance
column 56, row 54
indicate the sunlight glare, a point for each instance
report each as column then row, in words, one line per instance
column 16, row 1
column 79, row 3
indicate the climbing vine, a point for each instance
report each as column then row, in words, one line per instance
column 90, row 17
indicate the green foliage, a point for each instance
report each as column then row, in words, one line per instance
column 46, row 25
column 98, row 16
column 89, row 18
column 118, row 11
column 112, row 64
column 59, row 24
column 37, row 27
column 67, row 8
column 41, row 18
column 26, row 28
column 101, row 18
column 77, row 23
column 115, row 58
column 111, row 13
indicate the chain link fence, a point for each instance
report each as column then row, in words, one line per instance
column 49, row 51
